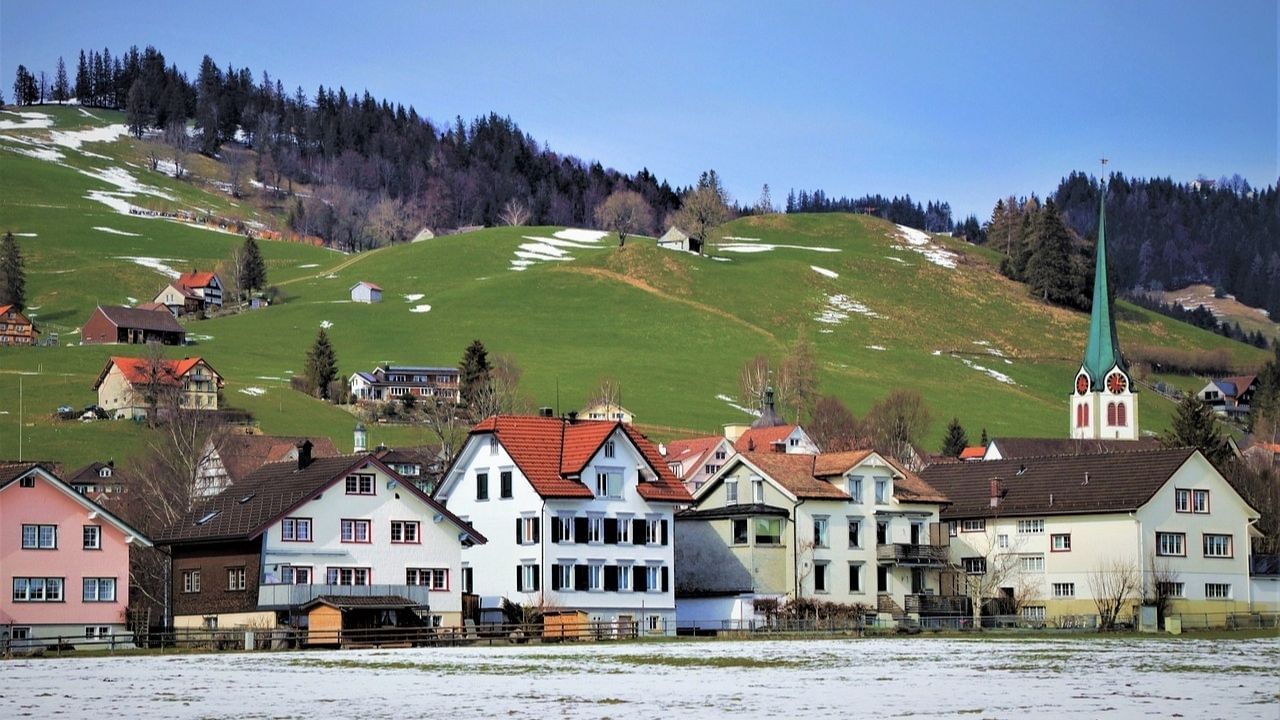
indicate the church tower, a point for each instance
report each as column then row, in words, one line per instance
column 1103, row 404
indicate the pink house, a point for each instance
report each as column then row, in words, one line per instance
column 64, row 561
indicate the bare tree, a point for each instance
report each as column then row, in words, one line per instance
column 175, row 135
column 896, row 421
column 1114, row 584
column 161, row 387
column 448, row 423
column 608, row 392
column 515, row 212
column 987, row 570
column 1161, row 586
column 235, row 160
column 702, row 211
column 835, row 428
column 228, row 272
column 625, row 212
column 753, row 382
column 500, row 393
column 153, row 156
column 798, row 379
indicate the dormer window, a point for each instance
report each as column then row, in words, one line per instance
column 104, row 472
column 882, row 491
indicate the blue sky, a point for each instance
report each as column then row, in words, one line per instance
column 960, row 101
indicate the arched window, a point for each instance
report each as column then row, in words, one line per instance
column 1082, row 415
column 1121, row 418
column 1111, row 414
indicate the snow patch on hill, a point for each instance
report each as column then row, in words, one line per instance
column 113, row 231
column 160, row 265
column 74, row 139
column 839, row 307
column 25, row 121
column 919, row 241
column 758, row 247
column 824, row 271
column 730, row 402
column 557, row 248
column 420, row 309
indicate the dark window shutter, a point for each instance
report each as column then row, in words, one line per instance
column 555, row 577
column 580, row 530
column 664, row 532
column 610, row 531
column 557, row 531
column 537, row 530
column 610, row 577
column 664, row 578
column 580, row 577
column 537, row 575
column 519, row 535
column 641, row 578
column 637, row 531
column 519, row 579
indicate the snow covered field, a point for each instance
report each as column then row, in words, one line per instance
column 1081, row 678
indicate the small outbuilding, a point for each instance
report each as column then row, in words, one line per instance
column 366, row 292
column 338, row 619
column 677, row 239
column 125, row 325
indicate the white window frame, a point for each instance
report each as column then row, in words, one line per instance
column 1196, row 506
column 1222, row 545
column 855, row 532
column 190, row 581
column 731, row 492
column 1064, row 589
column 855, row 488
column 595, row 529
column 92, row 537
column 1031, row 526
column 821, row 532
column 1171, row 544
column 1217, row 591
column 1031, row 563
column 609, row 484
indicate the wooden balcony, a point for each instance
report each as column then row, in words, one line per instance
column 908, row 555
column 930, row 605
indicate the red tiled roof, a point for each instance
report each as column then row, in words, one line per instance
column 973, row 453
column 761, row 439
column 692, row 453
column 552, row 454
column 838, row 462
column 194, row 279
column 138, row 370
column 801, row 475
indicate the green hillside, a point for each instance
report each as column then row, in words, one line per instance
column 673, row 328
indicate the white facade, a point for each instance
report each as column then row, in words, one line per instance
column 384, row 559
column 363, row 292
column 521, row 558
column 1109, row 412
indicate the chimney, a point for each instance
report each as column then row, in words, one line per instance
column 304, row 454
column 361, row 438
column 573, row 416
column 545, row 412
column 995, row 492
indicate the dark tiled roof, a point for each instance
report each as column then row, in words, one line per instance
column 732, row 511
column 374, row 602
column 1056, row 485
column 246, row 509
column 157, row 320
column 1015, row 447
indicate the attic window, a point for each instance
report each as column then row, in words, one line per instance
column 104, row 472
column 208, row 516
column 247, row 498
column 1021, row 469
column 27, row 482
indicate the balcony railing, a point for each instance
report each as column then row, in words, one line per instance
column 287, row 596
column 936, row 604
column 908, row 554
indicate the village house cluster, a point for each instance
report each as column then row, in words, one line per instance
column 583, row 515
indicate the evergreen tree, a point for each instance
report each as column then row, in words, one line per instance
column 322, row 365
column 1195, row 425
column 1264, row 409
column 474, row 369
column 61, row 91
column 985, row 441
column 253, row 271
column 1049, row 270
column 13, row 278
column 82, row 80
column 956, row 439
column 136, row 111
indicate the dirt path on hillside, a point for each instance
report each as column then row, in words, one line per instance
column 336, row 268
column 646, row 287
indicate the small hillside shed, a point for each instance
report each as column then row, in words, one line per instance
column 366, row 292
column 675, row 239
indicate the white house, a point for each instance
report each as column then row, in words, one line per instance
column 578, row 516
column 366, row 292
column 695, row 460
column 852, row 528
column 607, row 411
column 1042, row 527
column 296, row 531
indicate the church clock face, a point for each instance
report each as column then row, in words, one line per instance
column 1116, row 383
column 1082, row 383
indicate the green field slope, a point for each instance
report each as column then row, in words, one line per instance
column 672, row 328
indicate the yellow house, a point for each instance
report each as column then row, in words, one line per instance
column 1049, row 531
column 125, row 384
column 853, row 528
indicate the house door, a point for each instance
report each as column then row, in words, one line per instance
column 882, row 579
column 917, row 581
column 917, row 533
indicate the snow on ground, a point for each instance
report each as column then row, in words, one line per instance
column 26, row 235
column 720, row 259
column 995, row 374
column 919, row 241
column 254, row 391
column 740, row 239
column 310, row 265
column 127, row 187
column 31, row 148
column 420, row 309
column 74, row 139
column 132, row 300
column 824, row 271
column 556, row 248
column 157, row 264
column 767, row 247
column 326, row 324
column 838, row 308
column 896, row 259
column 413, row 297
column 114, row 231
column 733, row 404
column 875, row 347
column 25, row 121
column 1076, row 677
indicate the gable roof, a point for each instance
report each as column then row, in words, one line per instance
column 1057, row 484
column 973, row 452
column 760, row 439
column 1235, row 385
column 693, row 452
column 183, row 289
column 138, row 370
column 795, row 473
column 242, row 454
column 367, row 284
column 6, row 308
column 808, row 477
column 272, row 491
column 552, row 453
column 9, row 474
column 195, row 279
column 157, row 320
column 1018, row 447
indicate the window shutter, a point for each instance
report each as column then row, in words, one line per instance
column 537, row 575
column 610, row 531
column 664, row 535
column 519, row 534
column 637, row 531
column 555, row 577
column 639, row 578
column 537, row 530
column 610, row 577
column 580, row 577
column 557, row 531
column 580, row 530
column 519, row 579
column 664, row 578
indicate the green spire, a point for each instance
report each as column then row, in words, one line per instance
column 1103, row 351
